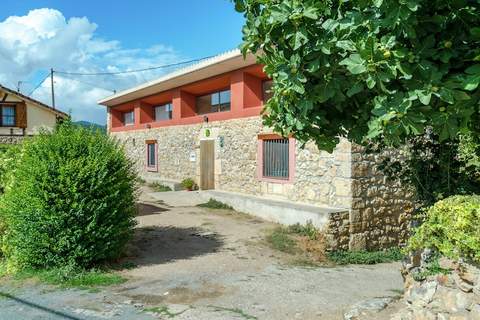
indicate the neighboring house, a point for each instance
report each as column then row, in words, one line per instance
column 204, row 122
column 22, row 116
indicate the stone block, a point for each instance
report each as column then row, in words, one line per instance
column 357, row 242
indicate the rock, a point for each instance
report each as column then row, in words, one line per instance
column 138, row 305
column 373, row 305
column 464, row 301
column 462, row 285
column 424, row 314
column 469, row 274
column 446, row 263
column 422, row 294
column 475, row 313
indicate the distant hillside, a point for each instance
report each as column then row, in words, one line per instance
column 90, row 125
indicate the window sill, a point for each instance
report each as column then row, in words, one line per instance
column 152, row 169
column 275, row 180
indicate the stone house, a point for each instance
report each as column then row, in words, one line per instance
column 22, row 116
column 203, row 122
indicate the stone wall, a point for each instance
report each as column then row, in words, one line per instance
column 11, row 139
column 455, row 295
column 347, row 178
column 320, row 178
column 381, row 209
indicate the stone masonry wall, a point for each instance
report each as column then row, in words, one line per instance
column 347, row 178
column 11, row 139
column 320, row 178
column 381, row 209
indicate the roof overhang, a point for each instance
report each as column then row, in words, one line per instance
column 205, row 69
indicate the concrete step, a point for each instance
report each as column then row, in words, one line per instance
column 283, row 212
column 173, row 184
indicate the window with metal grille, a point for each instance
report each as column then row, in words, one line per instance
column 276, row 158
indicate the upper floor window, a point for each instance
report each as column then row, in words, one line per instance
column 267, row 87
column 215, row 102
column 7, row 115
column 163, row 112
column 129, row 118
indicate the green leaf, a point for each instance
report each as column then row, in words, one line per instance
column 354, row 63
column 377, row 3
column 356, row 88
column 347, row 45
column 370, row 82
column 424, row 96
column 446, row 95
column 300, row 39
column 311, row 13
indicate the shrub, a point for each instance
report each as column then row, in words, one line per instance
column 451, row 228
column 365, row 257
column 71, row 202
column 215, row 204
column 189, row 184
column 158, row 187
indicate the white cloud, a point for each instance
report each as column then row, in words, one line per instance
column 44, row 38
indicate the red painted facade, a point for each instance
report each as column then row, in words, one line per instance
column 246, row 100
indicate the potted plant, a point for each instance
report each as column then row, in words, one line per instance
column 189, row 184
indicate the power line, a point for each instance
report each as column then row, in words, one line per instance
column 130, row 71
column 39, row 84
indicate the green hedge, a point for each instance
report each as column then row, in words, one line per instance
column 452, row 228
column 70, row 201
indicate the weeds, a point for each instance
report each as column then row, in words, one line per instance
column 280, row 240
column 71, row 278
column 365, row 257
column 158, row 187
column 237, row 311
column 215, row 204
column 164, row 311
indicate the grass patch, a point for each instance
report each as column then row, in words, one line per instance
column 279, row 239
column 234, row 310
column 72, row 278
column 164, row 311
column 365, row 257
column 214, row 204
column 158, row 187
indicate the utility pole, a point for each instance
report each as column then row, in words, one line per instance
column 19, row 83
column 53, row 89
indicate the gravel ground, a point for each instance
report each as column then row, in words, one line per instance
column 195, row 263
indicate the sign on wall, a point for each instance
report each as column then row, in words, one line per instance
column 193, row 156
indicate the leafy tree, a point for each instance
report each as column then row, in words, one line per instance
column 367, row 69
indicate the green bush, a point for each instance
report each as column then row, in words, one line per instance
column 452, row 228
column 215, row 204
column 189, row 184
column 70, row 202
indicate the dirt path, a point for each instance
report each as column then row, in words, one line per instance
column 195, row 263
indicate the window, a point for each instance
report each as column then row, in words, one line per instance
column 8, row 115
column 129, row 118
column 151, row 156
column 267, row 87
column 163, row 112
column 276, row 158
column 214, row 102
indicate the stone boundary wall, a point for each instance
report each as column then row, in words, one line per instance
column 347, row 178
column 11, row 139
column 445, row 296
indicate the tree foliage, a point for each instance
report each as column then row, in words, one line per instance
column 367, row 69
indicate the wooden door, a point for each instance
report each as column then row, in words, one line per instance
column 207, row 164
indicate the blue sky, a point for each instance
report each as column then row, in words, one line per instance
column 107, row 35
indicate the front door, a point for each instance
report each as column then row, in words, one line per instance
column 207, row 164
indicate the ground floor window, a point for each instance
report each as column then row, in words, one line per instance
column 277, row 156
column 7, row 117
column 152, row 155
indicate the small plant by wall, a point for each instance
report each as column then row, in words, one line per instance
column 189, row 184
